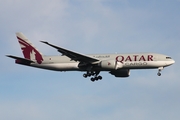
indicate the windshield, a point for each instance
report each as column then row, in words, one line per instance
column 168, row 57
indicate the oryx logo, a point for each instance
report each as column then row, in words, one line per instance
column 29, row 51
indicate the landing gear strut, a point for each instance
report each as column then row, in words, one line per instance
column 159, row 71
column 92, row 73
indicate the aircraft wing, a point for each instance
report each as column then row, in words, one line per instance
column 73, row 55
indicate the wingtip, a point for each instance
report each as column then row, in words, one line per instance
column 8, row 55
column 44, row 42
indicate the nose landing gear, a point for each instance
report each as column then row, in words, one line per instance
column 95, row 74
column 159, row 71
column 159, row 74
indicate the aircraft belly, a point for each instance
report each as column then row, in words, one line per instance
column 58, row 66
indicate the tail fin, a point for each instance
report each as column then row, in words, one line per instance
column 28, row 50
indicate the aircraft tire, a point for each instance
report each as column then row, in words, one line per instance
column 85, row 75
column 159, row 74
column 99, row 77
column 92, row 79
column 96, row 78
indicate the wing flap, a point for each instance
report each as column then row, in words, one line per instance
column 73, row 55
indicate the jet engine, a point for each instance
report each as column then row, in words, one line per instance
column 121, row 73
column 110, row 64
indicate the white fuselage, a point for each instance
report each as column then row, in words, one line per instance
column 118, row 65
column 127, row 61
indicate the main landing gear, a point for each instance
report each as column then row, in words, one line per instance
column 95, row 74
column 159, row 71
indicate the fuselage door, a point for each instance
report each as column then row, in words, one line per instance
column 155, row 57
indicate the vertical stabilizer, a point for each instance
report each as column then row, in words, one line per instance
column 28, row 50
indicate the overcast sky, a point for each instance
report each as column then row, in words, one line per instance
column 90, row 26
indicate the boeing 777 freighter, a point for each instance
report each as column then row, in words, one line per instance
column 118, row 65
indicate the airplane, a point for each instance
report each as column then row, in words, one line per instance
column 118, row 65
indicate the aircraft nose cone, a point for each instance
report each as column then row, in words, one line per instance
column 170, row 62
column 173, row 61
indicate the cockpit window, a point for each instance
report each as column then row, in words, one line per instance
column 168, row 57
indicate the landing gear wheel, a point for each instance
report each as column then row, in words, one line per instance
column 99, row 77
column 89, row 75
column 92, row 79
column 96, row 78
column 85, row 75
column 159, row 74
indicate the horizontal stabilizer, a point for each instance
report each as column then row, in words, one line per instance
column 20, row 60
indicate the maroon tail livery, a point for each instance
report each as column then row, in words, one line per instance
column 29, row 51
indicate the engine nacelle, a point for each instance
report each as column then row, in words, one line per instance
column 121, row 73
column 110, row 64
